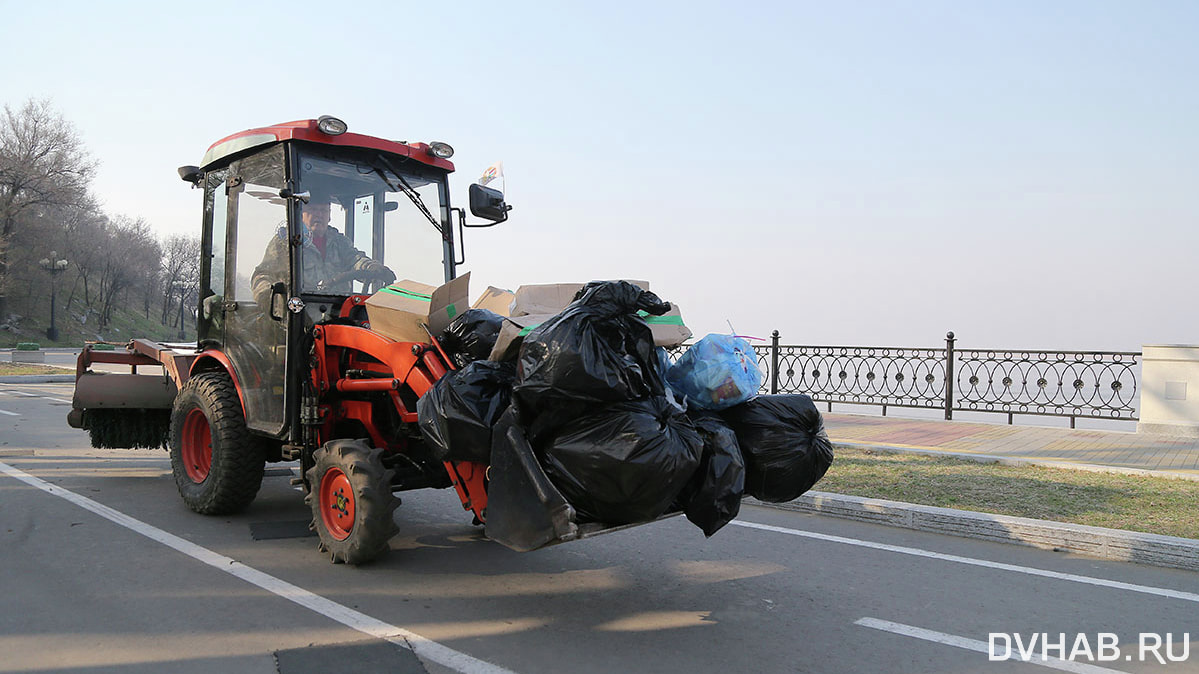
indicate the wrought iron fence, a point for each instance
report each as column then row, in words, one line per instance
column 1090, row 384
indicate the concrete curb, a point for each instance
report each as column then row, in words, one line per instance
column 1115, row 544
column 1018, row 461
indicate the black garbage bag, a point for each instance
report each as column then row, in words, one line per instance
column 471, row 336
column 783, row 442
column 713, row 496
column 625, row 463
column 596, row 351
column 456, row 415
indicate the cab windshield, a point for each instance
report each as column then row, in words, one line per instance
column 370, row 218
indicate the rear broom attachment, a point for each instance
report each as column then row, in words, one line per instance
column 127, row 411
column 127, row 428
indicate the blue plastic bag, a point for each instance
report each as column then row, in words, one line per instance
column 719, row 371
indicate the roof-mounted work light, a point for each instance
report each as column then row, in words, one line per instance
column 441, row 150
column 331, row 126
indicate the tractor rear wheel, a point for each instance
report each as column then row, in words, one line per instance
column 349, row 491
column 217, row 465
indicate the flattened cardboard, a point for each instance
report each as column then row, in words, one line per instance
column 550, row 298
column 496, row 300
column 513, row 332
column 399, row 310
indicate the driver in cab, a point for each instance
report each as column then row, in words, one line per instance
column 329, row 259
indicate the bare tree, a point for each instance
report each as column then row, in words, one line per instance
column 129, row 252
column 43, row 163
column 181, row 257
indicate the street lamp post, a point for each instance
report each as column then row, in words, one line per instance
column 54, row 266
column 183, row 287
column 182, row 295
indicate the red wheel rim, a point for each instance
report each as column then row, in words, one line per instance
column 197, row 446
column 337, row 503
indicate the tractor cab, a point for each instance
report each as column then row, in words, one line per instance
column 298, row 218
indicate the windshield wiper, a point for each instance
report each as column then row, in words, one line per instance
column 408, row 191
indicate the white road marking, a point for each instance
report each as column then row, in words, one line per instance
column 979, row 646
column 11, row 414
column 917, row 552
column 34, row 395
column 425, row 648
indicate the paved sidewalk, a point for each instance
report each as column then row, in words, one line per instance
column 1143, row 451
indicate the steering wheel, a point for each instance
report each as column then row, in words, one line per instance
column 375, row 279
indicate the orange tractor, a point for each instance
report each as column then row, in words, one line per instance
column 286, row 366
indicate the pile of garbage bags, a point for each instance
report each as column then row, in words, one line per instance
column 625, row 435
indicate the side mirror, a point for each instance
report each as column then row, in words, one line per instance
column 191, row 174
column 488, row 204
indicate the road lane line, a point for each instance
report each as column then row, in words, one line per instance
column 425, row 648
column 11, row 414
column 979, row 646
column 1031, row 571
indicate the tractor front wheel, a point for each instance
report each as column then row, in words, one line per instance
column 349, row 491
column 217, row 465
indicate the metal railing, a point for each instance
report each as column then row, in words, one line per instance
column 1088, row 384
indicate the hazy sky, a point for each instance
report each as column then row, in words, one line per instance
column 1022, row 173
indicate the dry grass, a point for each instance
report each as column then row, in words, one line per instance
column 1147, row 504
column 7, row 369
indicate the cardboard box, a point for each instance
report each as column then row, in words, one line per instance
column 401, row 309
column 550, row 298
column 513, row 332
column 668, row 329
column 496, row 300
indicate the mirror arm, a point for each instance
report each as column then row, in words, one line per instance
column 486, row 224
column 461, row 239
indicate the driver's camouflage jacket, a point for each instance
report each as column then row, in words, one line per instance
column 340, row 256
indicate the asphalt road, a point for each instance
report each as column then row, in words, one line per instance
column 103, row 569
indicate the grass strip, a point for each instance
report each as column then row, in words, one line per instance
column 7, row 369
column 1146, row 504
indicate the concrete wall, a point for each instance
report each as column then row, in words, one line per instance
column 1170, row 390
column 28, row 356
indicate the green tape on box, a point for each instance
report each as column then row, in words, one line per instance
column 451, row 311
column 527, row 330
column 412, row 295
column 661, row 320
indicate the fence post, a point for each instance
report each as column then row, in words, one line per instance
column 774, row 362
column 949, row 375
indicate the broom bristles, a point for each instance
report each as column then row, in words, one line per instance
column 128, row 428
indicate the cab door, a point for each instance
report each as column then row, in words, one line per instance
column 259, row 259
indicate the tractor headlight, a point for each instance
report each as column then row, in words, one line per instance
column 441, row 150
column 331, row 126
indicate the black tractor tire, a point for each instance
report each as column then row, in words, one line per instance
column 217, row 464
column 349, row 492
